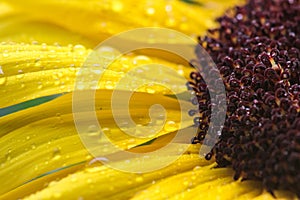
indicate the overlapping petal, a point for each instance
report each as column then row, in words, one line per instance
column 41, row 154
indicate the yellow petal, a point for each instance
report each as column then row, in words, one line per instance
column 102, row 182
column 100, row 19
column 47, row 139
column 32, row 71
column 19, row 28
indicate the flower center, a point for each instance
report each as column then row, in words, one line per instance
column 257, row 52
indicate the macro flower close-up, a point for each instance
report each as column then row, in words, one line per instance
column 102, row 100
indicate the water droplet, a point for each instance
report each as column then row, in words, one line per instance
column 150, row 90
column 170, row 22
column 194, row 178
column 8, row 155
column 185, row 183
column 56, row 82
column 2, row 80
column 39, row 85
column 56, row 154
column 168, row 8
column 28, row 137
column 117, row 6
column 180, row 70
column 73, row 178
column 44, row 46
column 131, row 141
column 139, row 179
column 36, row 167
column 33, row 146
column 150, row 11
column 171, row 126
column 5, row 54
column 197, row 168
column 37, row 62
column 93, row 130
column 109, row 85
column 141, row 60
column 1, row 71
column 106, row 131
column 52, row 54
column 89, row 181
column 20, row 74
column 80, row 49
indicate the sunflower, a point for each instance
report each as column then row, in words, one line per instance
column 44, row 45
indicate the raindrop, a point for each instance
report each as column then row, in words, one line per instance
column 168, row 8
column 20, row 74
column 109, row 85
column 80, row 49
column 117, row 6
column 93, row 130
column 8, row 155
column 33, row 146
column 185, row 183
column 141, row 60
column 170, row 126
column 56, row 154
column 5, row 54
column 73, row 178
column 1, row 71
column 2, row 80
column 150, row 11
column 170, row 22
column 150, row 90
column 38, row 62
column 139, row 179
column 52, row 54
column 106, row 131
column 39, row 85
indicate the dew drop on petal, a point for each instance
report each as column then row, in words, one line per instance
column 5, row 54
column 20, row 74
column 150, row 90
column 106, row 131
column 2, row 80
column 56, row 154
column 80, row 49
column 8, row 155
column 33, row 146
column 39, row 85
column 150, row 11
column 170, row 126
column 168, row 8
column 109, row 85
column 73, row 178
column 139, row 179
column 93, row 130
column 117, row 6
column 141, row 60
column 1, row 71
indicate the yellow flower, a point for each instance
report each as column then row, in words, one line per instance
column 44, row 45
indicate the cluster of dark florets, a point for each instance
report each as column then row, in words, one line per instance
column 257, row 52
